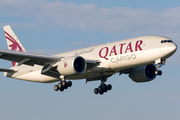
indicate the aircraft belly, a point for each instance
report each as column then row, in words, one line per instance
column 36, row 76
column 89, row 75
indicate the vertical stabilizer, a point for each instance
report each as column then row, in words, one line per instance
column 13, row 41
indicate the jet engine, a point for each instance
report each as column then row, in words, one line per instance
column 72, row 65
column 143, row 73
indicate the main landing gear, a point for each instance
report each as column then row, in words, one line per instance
column 102, row 89
column 62, row 85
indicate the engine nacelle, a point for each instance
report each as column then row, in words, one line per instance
column 143, row 73
column 72, row 65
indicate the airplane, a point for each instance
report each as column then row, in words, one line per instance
column 140, row 57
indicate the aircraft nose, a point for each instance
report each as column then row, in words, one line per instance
column 171, row 49
column 174, row 48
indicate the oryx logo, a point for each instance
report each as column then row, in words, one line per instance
column 65, row 64
column 14, row 46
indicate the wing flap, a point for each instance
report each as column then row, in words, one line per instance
column 27, row 58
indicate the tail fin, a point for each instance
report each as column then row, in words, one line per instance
column 13, row 41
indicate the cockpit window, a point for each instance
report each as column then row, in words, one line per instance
column 165, row 41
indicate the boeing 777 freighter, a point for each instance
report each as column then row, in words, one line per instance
column 140, row 57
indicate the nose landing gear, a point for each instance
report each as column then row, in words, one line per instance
column 158, row 72
column 159, row 63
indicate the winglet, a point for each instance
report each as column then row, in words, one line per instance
column 12, row 41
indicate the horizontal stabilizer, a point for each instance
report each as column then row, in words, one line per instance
column 7, row 70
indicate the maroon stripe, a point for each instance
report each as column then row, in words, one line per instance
column 9, row 36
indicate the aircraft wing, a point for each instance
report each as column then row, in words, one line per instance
column 28, row 59
column 31, row 59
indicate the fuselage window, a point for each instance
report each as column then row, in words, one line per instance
column 164, row 41
column 169, row 40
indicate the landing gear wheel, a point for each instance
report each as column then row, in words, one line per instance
column 66, row 87
column 159, row 72
column 59, row 85
column 95, row 91
column 109, row 87
column 62, row 85
column 104, row 87
column 56, row 88
column 69, row 83
column 105, row 90
column 61, row 89
column 101, row 92
column 100, row 88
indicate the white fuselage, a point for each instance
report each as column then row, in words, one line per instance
column 113, row 57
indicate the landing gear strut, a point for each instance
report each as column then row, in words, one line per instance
column 62, row 85
column 159, row 64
